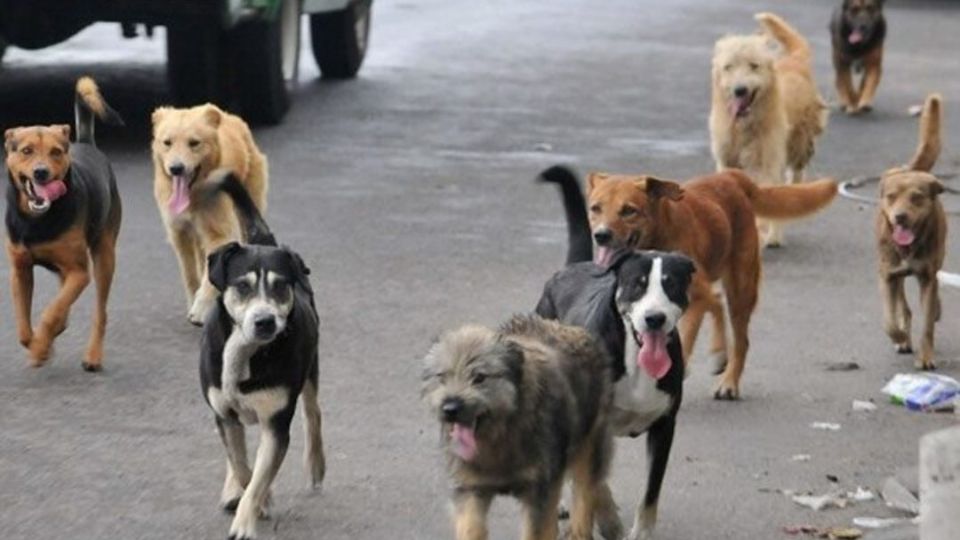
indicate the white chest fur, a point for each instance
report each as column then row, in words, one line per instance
column 637, row 403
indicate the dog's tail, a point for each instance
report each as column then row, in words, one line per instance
column 788, row 202
column 794, row 42
column 89, row 105
column 580, row 243
column 928, row 145
column 224, row 180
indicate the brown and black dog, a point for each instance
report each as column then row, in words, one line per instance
column 911, row 238
column 63, row 210
column 711, row 219
column 857, row 31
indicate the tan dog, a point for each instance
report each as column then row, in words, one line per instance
column 188, row 144
column 711, row 219
column 911, row 237
column 766, row 112
column 63, row 212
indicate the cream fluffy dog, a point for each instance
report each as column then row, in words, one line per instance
column 187, row 145
column 766, row 110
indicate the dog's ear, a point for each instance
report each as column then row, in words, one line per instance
column 513, row 359
column 657, row 188
column 64, row 130
column 217, row 264
column 935, row 188
column 213, row 116
column 595, row 179
column 10, row 140
column 300, row 270
column 158, row 115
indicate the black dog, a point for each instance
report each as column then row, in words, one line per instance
column 633, row 306
column 857, row 31
column 258, row 353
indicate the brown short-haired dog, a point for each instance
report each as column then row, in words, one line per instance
column 63, row 209
column 911, row 237
column 857, row 31
column 521, row 407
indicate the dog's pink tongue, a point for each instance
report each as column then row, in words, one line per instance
column 653, row 355
column 902, row 236
column 604, row 254
column 464, row 442
column 180, row 198
column 51, row 191
column 855, row 37
column 739, row 106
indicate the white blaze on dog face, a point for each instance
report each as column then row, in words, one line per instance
column 743, row 72
column 259, row 303
column 654, row 301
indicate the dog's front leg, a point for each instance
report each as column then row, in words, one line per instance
column 845, row 91
column 470, row 515
column 184, row 242
column 540, row 511
column 896, row 313
column 929, row 300
column 274, row 440
column 659, row 442
column 238, row 470
column 53, row 321
column 871, row 80
column 21, row 290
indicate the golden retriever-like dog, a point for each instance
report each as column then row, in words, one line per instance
column 911, row 238
column 766, row 112
column 187, row 145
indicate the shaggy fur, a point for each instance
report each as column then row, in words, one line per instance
column 520, row 408
column 911, row 236
column 766, row 112
column 188, row 144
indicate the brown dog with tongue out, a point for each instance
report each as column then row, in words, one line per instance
column 911, row 236
column 188, row 144
column 857, row 31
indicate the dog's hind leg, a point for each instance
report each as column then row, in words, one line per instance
column 21, row 290
column 929, row 300
column 312, row 423
column 701, row 297
column 470, row 515
column 845, row 91
column 742, row 285
column 274, row 441
column 104, row 262
column 718, row 345
column 588, row 471
column 540, row 511
column 238, row 470
column 659, row 442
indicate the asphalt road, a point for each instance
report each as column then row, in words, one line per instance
column 410, row 194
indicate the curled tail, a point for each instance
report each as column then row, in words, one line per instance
column 88, row 104
column 580, row 243
column 794, row 42
column 788, row 202
column 928, row 145
column 224, row 180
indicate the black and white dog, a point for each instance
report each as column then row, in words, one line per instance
column 633, row 306
column 258, row 353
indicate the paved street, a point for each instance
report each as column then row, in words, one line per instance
column 410, row 194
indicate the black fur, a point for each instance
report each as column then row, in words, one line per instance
column 580, row 241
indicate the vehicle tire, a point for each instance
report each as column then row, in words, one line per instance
column 269, row 52
column 196, row 65
column 340, row 39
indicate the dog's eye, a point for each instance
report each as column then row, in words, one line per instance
column 917, row 199
column 754, row 66
column 27, row 151
column 479, row 378
column 243, row 288
column 595, row 209
column 728, row 67
column 168, row 143
column 628, row 211
column 56, row 153
column 193, row 143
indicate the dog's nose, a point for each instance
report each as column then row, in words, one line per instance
column 265, row 326
column 655, row 320
column 900, row 219
column 177, row 169
column 740, row 91
column 41, row 174
column 451, row 408
column 602, row 236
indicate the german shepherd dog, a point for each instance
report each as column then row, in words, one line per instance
column 63, row 210
column 258, row 354
column 911, row 238
column 520, row 407
column 857, row 31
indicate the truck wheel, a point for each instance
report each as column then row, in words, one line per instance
column 195, row 64
column 340, row 39
column 268, row 54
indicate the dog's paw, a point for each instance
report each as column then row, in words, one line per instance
column 91, row 367
column 198, row 311
column 726, row 392
column 640, row 533
column 864, row 108
column 924, row 364
column 25, row 337
column 243, row 527
column 717, row 362
column 903, row 348
column 39, row 351
column 229, row 506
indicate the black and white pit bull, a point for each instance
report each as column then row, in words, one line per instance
column 633, row 305
column 258, row 354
